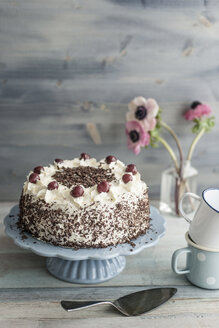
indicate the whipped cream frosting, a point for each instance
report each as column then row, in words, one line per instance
column 61, row 197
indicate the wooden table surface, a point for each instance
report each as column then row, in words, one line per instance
column 30, row 296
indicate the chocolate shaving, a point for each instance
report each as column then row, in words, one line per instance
column 57, row 226
column 86, row 176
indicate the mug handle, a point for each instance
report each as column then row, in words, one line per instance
column 175, row 257
column 181, row 203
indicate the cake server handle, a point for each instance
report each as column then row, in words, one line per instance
column 77, row 305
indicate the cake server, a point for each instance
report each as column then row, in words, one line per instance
column 131, row 304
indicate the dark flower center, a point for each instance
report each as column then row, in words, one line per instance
column 141, row 112
column 134, row 135
column 195, row 104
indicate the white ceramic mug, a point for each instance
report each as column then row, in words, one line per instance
column 204, row 228
column 202, row 265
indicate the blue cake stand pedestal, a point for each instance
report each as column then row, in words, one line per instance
column 85, row 265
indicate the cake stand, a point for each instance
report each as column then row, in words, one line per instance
column 85, row 266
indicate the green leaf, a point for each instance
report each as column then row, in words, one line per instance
column 200, row 123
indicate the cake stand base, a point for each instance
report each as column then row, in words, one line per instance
column 85, row 271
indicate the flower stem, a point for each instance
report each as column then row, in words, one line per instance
column 168, row 128
column 170, row 151
column 179, row 177
column 192, row 147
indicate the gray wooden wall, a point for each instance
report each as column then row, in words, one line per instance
column 67, row 64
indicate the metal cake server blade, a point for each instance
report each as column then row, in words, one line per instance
column 131, row 304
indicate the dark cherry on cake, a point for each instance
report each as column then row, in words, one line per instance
column 59, row 160
column 84, row 156
column 77, row 191
column 34, row 177
column 109, row 159
column 126, row 178
column 131, row 168
column 103, row 186
column 53, row 185
column 38, row 169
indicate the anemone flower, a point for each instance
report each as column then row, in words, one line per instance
column 197, row 110
column 137, row 136
column 143, row 110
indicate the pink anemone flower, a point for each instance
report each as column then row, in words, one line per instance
column 197, row 110
column 143, row 110
column 137, row 136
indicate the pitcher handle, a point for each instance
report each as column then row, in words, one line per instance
column 181, row 203
column 175, row 257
